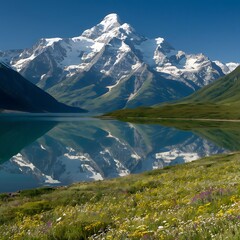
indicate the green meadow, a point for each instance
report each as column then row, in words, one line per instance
column 180, row 111
column 197, row 200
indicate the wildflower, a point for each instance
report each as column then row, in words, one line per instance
column 142, row 227
column 160, row 227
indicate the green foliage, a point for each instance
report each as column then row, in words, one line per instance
column 31, row 208
column 36, row 192
column 178, row 111
column 4, row 197
column 78, row 230
column 223, row 91
column 197, row 200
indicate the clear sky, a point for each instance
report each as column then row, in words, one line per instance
column 208, row 26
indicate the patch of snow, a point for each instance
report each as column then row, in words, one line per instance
column 148, row 49
column 112, row 86
column 51, row 41
column 136, row 156
column 121, row 169
column 19, row 64
column 232, row 66
column 111, row 136
column 26, row 166
column 18, row 159
column 131, row 96
column 43, row 76
column 50, row 180
column 172, row 155
column 77, row 167
column 117, row 139
column 42, row 147
column 228, row 67
column 124, row 48
column 136, row 66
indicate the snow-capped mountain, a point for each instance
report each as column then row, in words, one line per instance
column 112, row 66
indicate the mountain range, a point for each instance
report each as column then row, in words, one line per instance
column 110, row 66
column 218, row 100
column 17, row 93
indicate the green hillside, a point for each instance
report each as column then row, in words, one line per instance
column 198, row 200
column 225, row 90
column 219, row 100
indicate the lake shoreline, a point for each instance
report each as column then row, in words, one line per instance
column 163, row 118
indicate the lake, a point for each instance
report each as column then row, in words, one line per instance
column 60, row 150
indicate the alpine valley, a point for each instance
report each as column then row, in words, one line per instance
column 111, row 66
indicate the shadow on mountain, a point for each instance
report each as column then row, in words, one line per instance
column 15, row 135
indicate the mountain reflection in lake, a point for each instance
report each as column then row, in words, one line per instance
column 38, row 153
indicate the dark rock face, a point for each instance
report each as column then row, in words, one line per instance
column 17, row 93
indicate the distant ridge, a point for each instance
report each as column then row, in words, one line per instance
column 217, row 101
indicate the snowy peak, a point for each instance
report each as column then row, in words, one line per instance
column 111, row 59
column 154, row 51
column 111, row 27
column 110, row 23
column 51, row 41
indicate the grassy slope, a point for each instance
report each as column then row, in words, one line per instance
column 223, row 91
column 189, row 110
column 199, row 200
column 219, row 100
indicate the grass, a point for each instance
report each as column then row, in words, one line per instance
column 198, row 200
column 180, row 111
column 223, row 91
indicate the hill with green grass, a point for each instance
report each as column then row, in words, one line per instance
column 219, row 100
column 223, row 91
column 198, row 200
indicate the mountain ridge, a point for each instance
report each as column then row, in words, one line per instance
column 112, row 64
column 17, row 93
column 216, row 101
column 224, row 91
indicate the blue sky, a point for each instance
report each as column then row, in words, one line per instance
column 208, row 26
